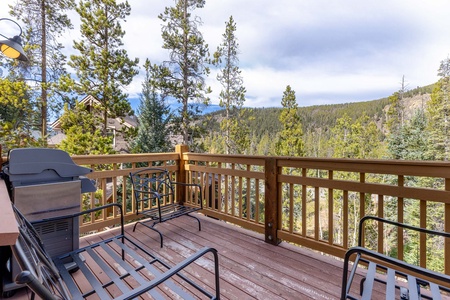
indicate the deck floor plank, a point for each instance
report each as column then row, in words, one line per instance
column 265, row 269
column 249, row 267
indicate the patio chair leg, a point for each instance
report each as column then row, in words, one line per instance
column 361, row 286
column 198, row 220
column 135, row 224
column 152, row 228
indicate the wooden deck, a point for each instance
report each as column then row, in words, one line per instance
column 249, row 267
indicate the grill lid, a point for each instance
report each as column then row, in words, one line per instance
column 27, row 165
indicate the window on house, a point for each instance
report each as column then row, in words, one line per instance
column 111, row 132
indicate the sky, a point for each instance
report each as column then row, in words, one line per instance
column 328, row 51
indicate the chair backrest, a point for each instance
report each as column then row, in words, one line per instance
column 36, row 263
column 152, row 186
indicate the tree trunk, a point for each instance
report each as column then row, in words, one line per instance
column 44, row 75
column 184, row 115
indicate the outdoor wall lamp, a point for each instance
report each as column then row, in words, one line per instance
column 12, row 47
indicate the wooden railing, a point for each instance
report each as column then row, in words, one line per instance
column 111, row 175
column 317, row 203
column 311, row 202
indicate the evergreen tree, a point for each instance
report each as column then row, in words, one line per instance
column 182, row 77
column 290, row 140
column 15, row 115
column 239, row 131
column 103, row 67
column 232, row 96
column 341, row 138
column 83, row 132
column 154, row 117
column 359, row 139
column 438, row 114
column 315, row 143
column 45, row 22
column 352, row 139
column 394, row 113
column 264, row 145
column 395, row 119
column 410, row 142
column 215, row 143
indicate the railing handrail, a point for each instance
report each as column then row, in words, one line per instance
column 262, row 193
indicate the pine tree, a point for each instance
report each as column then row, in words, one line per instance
column 15, row 115
column 45, row 22
column 239, row 131
column 394, row 117
column 83, row 133
column 232, row 96
column 369, row 137
column 290, row 140
column 183, row 76
column 438, row 115
column 355, row 139
column 411, row 142
column 103, row 67
column 154, row 117
column 341, row 138
column 315, row 142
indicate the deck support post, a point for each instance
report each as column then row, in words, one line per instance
column 271, row 201
column 181, row 176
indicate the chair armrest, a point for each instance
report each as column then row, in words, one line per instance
column 26, row 277
column 401, row 267
column 365, row 253
column 55, row 280
column 402, row 225
column 179, row 267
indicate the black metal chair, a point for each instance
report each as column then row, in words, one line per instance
column 400, row 279
column 124, row 270
column 156, row 198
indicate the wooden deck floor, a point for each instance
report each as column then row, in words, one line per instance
column 249, row 267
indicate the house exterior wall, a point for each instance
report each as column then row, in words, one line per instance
column 115, row 128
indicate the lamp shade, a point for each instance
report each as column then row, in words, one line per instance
column 12, row 48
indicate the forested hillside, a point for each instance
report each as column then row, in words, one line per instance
column 264, row 123
column 318, row 116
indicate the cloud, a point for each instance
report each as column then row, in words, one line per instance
column 329, row 51
column 337, row 51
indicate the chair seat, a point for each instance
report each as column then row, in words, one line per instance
column 114, row 268
column 391, row 277
column 120, row 278
column 157, row 197
column 170, row 211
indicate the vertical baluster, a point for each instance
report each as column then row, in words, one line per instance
column 362, row 202
column 330, row 211
column 345, row 224
column 316, row 212
column 400, row 218
column 304, row 194
column 423, row 236
column 380, row 225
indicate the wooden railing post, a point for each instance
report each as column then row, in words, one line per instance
column 181, row 176
column 271, row 201
column 447, row 229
